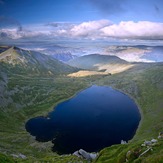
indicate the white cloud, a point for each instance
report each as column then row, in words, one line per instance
column 28, row 32
column 123, row 30
column 89, row 28
column 134, row 30
column 132, row 54
column 10, row 33
column 100, row 29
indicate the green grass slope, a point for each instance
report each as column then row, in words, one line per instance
column 145, row 85
column 23, row 97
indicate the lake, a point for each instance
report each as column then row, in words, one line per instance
column 95, row 118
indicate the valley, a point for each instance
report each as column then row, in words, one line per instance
column 32, row 84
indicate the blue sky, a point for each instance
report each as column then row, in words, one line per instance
column 81, row 18
column 43, row 11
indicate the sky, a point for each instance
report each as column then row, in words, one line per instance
column 81, row 19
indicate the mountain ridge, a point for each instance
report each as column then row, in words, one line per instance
column 33, row 62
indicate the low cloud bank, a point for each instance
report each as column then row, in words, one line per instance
column 99, row 29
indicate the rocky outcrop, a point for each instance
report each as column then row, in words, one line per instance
column 149, row 143
column 20, row 155
column 123, row 142
column 146, row 147
column 160, row 136
column 86, row 155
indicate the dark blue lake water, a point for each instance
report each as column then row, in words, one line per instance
column 95, row 118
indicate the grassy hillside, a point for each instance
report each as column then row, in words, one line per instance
column 144, row 84
column 19, row 61
column 23, row 97
column 100, row 64
column 92, row 61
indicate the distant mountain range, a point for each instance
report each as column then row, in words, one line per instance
column 64, row 57
column 20, row 61
column 66, row 50
column 130, row 53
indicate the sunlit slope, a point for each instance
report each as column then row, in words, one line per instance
column 102, row 64
column 21, row 61
column 93, row 61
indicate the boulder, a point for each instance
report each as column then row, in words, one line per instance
column 148, row 143
column 160, row 135
column 123, row 142
column 154, row 140
column 86, row 155
column 19, row 156
column 76, row 153
column 93, row 156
